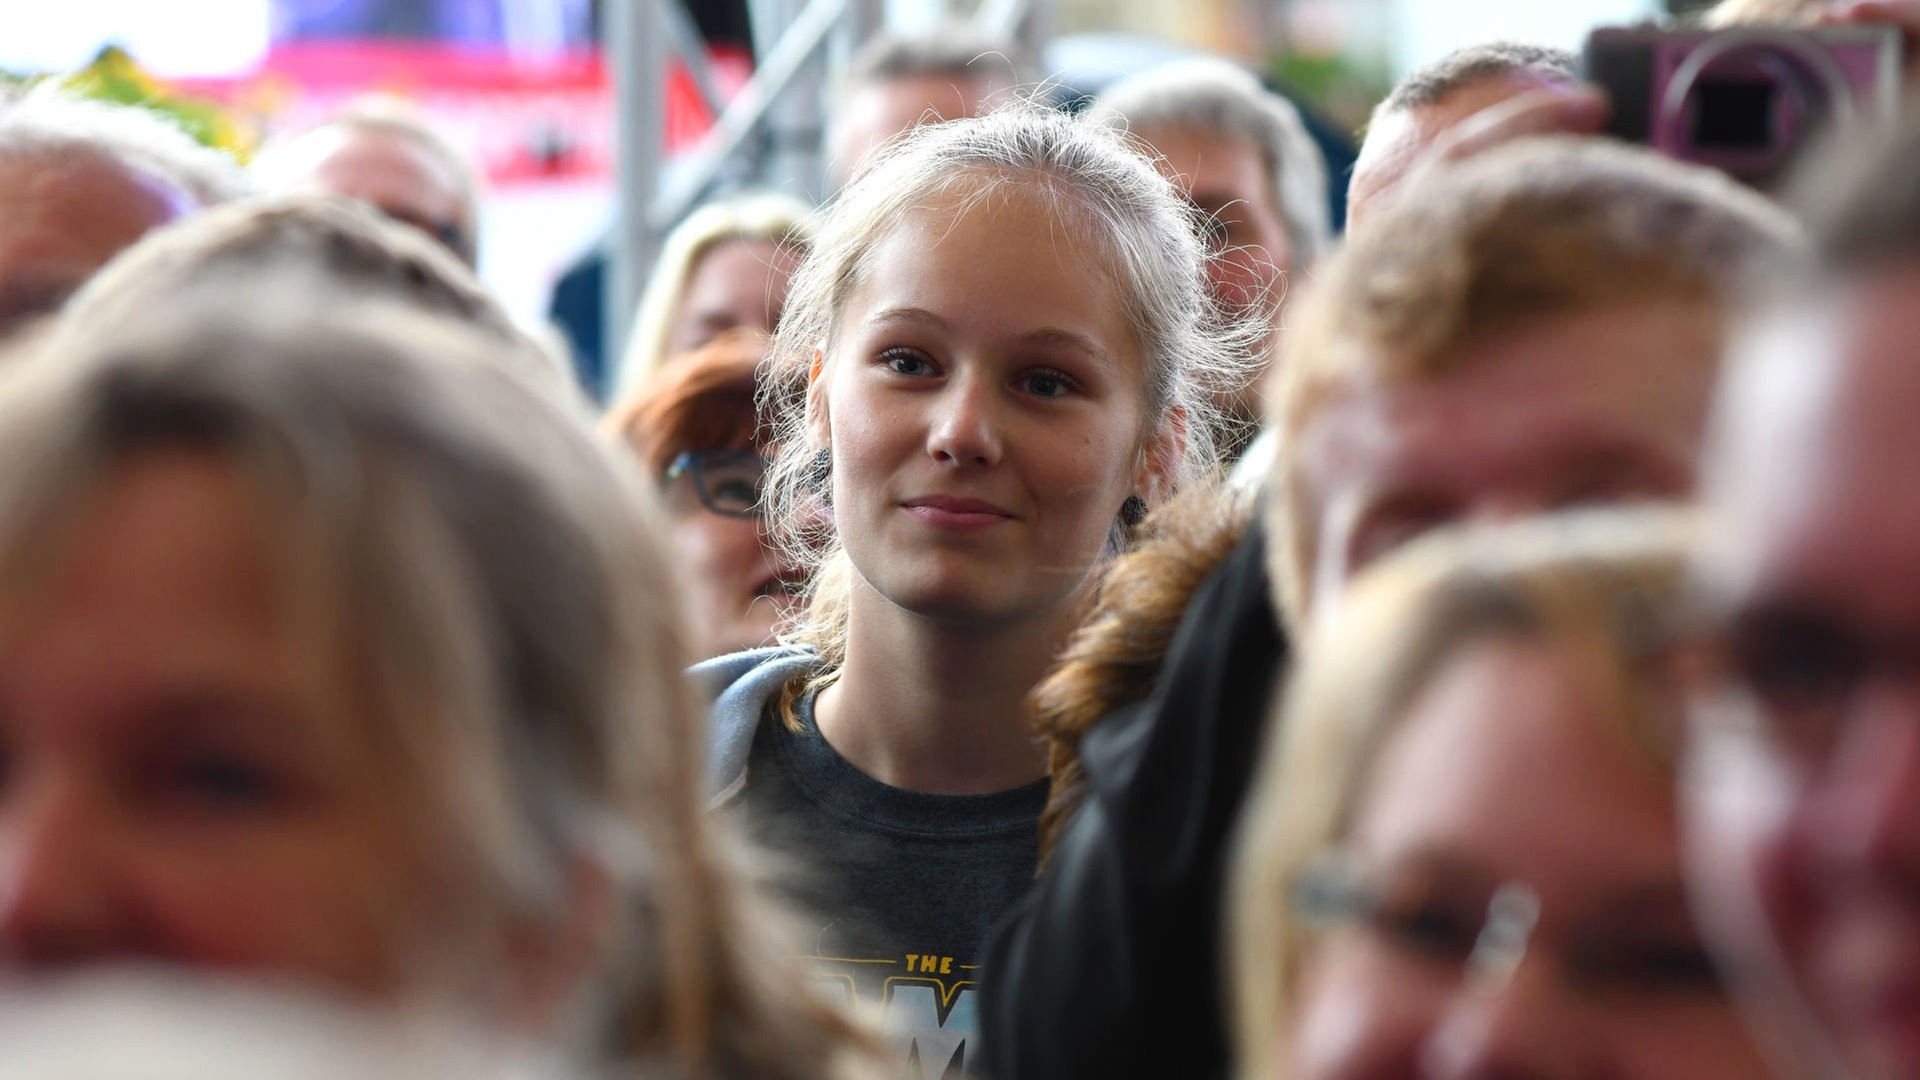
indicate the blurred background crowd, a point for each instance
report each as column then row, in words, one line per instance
column 530, row 91
column 1321, row 539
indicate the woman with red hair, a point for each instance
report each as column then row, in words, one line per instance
column 694, row 427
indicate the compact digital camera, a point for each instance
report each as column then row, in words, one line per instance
column 1743, row 100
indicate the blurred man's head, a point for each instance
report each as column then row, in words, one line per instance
column 1245, row 159
column 1803, row 776
column 355, row 250
column 1438, row 96
column 896, row 82
column 1540, row 329
column 82, row 180
column 384, row 156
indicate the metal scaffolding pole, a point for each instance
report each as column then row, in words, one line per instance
column 637, row 37
column 781, row 73
column 795, row 120
column 784, row 103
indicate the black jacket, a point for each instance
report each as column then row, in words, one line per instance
column 1110, row 966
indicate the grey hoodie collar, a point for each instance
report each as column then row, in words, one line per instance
column 741, row 685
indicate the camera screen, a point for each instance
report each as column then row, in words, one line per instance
column 1734, row 115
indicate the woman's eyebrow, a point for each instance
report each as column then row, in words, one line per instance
column 1046, row 337
column 1056, row 338
column 908, row 315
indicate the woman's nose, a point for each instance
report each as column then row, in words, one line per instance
column 1517, row 1026
column 58, row 901
column 964, row 426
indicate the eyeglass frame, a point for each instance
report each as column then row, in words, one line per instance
column 1335, row 889
column 697, row 462
column 1330, row 890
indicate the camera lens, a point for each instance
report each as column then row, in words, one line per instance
column 1734, row 115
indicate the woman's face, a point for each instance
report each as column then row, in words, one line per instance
column 984, row 402
column 737, row 588
column 181, row 781
column 1503, row 779
column 733, row 284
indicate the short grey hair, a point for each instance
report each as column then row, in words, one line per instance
column 958, row 50
column 49, row 125
column 1215, row 96
column 1431, row 83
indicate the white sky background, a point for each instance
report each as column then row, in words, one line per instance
column 170, row 37
column 1424, row 30
column 526, row 236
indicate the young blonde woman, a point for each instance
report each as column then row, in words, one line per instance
column 1460, row 859
column 336, row 655
column 994, row 362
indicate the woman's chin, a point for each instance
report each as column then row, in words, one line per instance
column 158, row 1023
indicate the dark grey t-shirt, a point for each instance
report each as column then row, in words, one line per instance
column 898, row 888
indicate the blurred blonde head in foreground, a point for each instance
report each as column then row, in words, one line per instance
column 336, row 650
column 1460, row 858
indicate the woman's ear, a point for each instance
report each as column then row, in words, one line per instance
column 1166, row 447
column 819, row 424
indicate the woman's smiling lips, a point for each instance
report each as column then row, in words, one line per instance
column 956, row 514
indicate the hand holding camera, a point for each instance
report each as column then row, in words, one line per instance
column 1747, row 100
column 1549, row 110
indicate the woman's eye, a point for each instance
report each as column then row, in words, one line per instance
column 906, row 362
column 1648, row 969
column 1431, row 930
column 736, row 491
column 223, row 783
column 1798, row 661
column 1048, row 384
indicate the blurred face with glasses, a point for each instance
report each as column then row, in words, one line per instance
column 1802, row 766
column 738, row 587
column 1507, row 897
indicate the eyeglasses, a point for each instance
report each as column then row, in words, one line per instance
column 451, row 234
column 1480, row 930
column 729, row 482
column 1487, row 937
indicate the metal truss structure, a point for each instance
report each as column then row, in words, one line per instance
column 769, row 133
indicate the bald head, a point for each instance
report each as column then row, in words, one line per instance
column 392, row 163
column 82, row 180
column 1434, row 100
column 66, row 216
